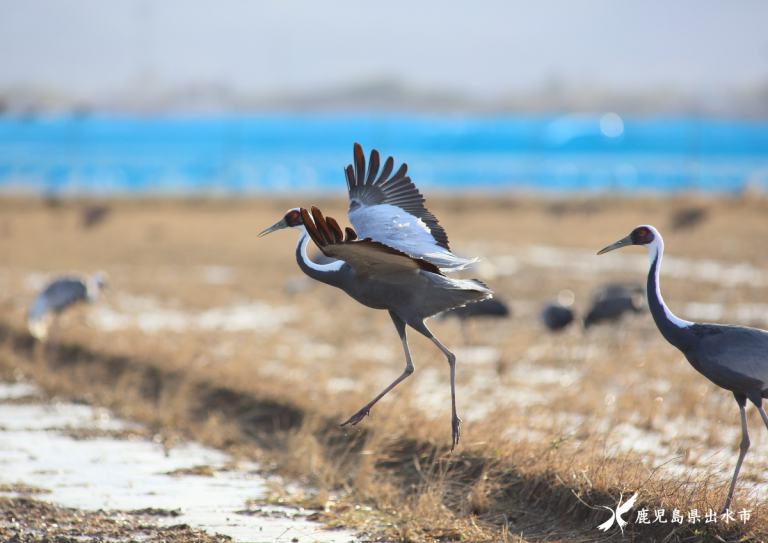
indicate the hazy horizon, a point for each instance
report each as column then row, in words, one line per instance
column 136, row 54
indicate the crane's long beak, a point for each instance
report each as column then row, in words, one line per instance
column 618, row 245
column 279, row 225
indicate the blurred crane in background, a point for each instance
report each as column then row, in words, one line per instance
column 59, row 294
column 489, row 308
column 558, row 314
column 556, row 317
column 394, row 259
column 732, row 357
column 611, row 302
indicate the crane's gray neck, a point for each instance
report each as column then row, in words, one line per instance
column 674, row 330
column 325, row 273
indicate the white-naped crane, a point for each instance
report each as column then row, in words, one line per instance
column 394, row 259
column 59, row 294
column 732, row 357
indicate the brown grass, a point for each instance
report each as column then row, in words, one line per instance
column 537, row 457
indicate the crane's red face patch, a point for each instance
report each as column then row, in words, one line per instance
column 293, row 218
column 642, row 236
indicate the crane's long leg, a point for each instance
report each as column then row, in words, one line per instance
column 366, row 410
column 455, row 420
column 742, row 401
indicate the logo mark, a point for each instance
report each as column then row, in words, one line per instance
column 616, row 515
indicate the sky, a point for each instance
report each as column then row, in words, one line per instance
column 88, row 49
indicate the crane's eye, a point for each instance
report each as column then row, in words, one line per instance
column 642, row 236
column 293, row 218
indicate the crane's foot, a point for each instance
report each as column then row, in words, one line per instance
column 357, row 417
column 456, row 431
column 726, row 506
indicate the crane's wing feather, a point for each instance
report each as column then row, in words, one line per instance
column 58, row 295
column 367, row 257
column 732, row 356
column 391, row 210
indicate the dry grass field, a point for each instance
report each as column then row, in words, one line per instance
column 211, row 333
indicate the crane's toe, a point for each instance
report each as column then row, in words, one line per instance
column 357, row 417
column 456, row 433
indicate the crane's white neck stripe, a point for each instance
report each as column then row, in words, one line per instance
column 92, row 289
column 303, row 242
column 656, row 251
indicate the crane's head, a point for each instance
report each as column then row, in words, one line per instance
column 98, row 282
column 642, row 235
column 292, row 219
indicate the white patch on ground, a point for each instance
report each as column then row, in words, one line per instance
column 341, row 384
column 132, row 474
column 218, row 275
column 10, row 391
column 477, row 355
column 147, row 315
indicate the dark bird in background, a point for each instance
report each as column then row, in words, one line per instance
column 732, row 357
column 558, row 314
column 688, row 218
column 394, row 259
column 492, row 307
column 93, row 215
column 612, row 302
column 556, row 317
column 59, row 294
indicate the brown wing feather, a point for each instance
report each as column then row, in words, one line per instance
column 309, row 224
column 365, row 256
column 321, row 224
column 333, row 226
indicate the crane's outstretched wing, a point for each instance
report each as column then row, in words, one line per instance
column 367, row 258
column 391, row 211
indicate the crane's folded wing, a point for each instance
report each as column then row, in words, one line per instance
column 372, row 259
column 367, row 257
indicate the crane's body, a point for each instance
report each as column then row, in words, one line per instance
column 58, row 295
column 732, row 357
column 399, row 264
column 610, row 303
column 556, row 317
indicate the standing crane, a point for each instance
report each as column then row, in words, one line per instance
column 394, row 259
column 59, row 294
column 732, row 357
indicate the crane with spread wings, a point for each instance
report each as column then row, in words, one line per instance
column 395, row 259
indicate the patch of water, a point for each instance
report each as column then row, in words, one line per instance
column 104, row 473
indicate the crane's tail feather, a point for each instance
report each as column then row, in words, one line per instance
column 471, row 284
